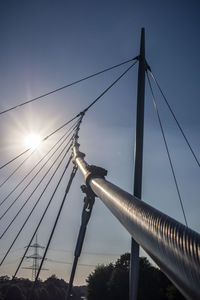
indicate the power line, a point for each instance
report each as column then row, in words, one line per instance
column 177, row 122
column 12, row 262
column 69, row 132
column 44, row 213
column 167, row 149
column 66, row 86
column 49, row 169
column 73, row 173
column 22, row 227
column 87, row 253
column 69, row 263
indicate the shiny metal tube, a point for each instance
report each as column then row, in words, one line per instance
column 174, row 247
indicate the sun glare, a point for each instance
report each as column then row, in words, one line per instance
column 32, row 140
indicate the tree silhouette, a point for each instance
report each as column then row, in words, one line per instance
column 98, row 283
column 14, row 292
column 112, row 282
column 51, row 289
column 173, row 293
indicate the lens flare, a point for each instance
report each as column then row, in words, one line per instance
column 32, row 140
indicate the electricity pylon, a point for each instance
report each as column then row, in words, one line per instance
column 36, row 258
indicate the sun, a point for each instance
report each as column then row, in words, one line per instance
column 32, row 140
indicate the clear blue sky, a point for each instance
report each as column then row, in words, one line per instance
column 46, row 44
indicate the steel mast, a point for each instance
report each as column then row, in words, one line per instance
column 138, row 161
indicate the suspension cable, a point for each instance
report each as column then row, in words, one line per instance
column 22, row 163
column 176, row 120
column 68, row 133
column 78, row 115
column 73, row 173
column 110, row 86
column 45, row 138
column 16, row 237
column 66, row 86
column 18, row 167
column 39, row 183
column 43, row 215
column 167, row 149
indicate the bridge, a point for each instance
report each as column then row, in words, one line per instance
column 173, row 246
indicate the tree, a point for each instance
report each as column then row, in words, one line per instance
column 97, row 288
column 14, row 292
column 119, row 281
column 43, row 294
column 113, row 282
column 51, row 289
column 174, row 294
column 4, row 278
column 119, row 284
column 123, row 263
column 150, row 278
column 55, row 287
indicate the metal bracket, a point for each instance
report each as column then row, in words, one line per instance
column 88, row 204
column 90, row 195
column 95, row 171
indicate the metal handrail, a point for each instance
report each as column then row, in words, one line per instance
column 174, row 247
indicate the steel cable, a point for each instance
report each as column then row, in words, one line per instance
column 44, row 213
column 73, row 173
column 177, row 122
column 22, row 227
column 167, row 149
column 22, row 163
column 15, row 170
column 69, row 132
column 49, row 169
column 66, row 86
column 78, row 115
column 108, row 88
column 44, row 139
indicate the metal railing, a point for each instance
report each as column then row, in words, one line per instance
column 174, row 247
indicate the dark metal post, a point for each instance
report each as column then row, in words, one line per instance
column 138, row 159
column 86, row 213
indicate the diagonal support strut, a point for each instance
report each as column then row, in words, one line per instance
column 86, row 213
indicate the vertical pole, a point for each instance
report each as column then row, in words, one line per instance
column 138, row 159
column 86, row 213
column 35, row 258
column 75, row 262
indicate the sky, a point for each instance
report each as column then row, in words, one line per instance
column 47, row 44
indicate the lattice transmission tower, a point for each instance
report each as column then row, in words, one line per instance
column 36, row 257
